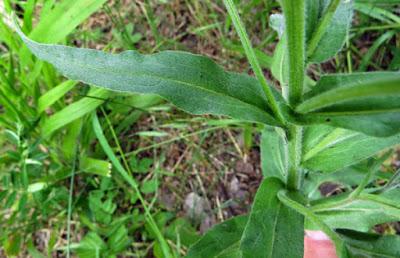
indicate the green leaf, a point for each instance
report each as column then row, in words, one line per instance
column 193, row 83
column 371, row 245
column 273, row 153
column 365, row 102
column 75, row 110
column 61, row 20
column 327, row 149
column 220, row 241
column 361, row 213
column 51, row 96
column 327, row 31
column 90, row 246
column 95, row 166
column 273, row 229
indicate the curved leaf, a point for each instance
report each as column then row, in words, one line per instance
column 371, row 245
column 335, row 149
column 365, row 102
column 334, row 35
column 193, row 83
column 220, row 241
column 361, row 213
column 273, row 229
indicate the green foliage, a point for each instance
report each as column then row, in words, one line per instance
column 334, row 126
column 221, row 241
column 273, row 229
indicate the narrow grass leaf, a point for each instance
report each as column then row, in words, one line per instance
column 74, row 111
column 51, row 96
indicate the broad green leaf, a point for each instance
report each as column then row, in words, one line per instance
column 193, row 83
column 273, row 229
column 220, row 241
column 51, row 96
column 361, row 213
column 365, row 102
column 333, row 35
column 75, row 110
column 370, row 245
column 327, row 149
column 273, row 153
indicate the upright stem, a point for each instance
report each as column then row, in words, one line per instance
column 295, row 175
column 294, row 12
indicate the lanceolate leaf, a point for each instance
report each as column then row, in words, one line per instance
column 365, row 102
column 334, row 34
column 371, row 245
column 273, row 229
column 221, row 241
column 193, row 83
column 340, row 148
column 362, row 213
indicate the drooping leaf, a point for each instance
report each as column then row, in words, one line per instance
column 371, row 245
column 273, row 229
column 193, row 83
column 365, row 102
column 327, row 149
column 333, row 38
column 220, row 241
column 273, row 153
column 361, row 213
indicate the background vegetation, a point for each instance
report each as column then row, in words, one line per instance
column 61, row 194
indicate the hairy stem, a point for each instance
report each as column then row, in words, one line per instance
column 251, row 56
column 294, row 12
column 321, row 29
column 295, row 175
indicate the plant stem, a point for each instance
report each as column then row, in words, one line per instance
column 321, row 29
column 295, row 175
column 251, row 56
column 294, row 12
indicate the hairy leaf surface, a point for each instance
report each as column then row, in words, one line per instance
column 362, row 213
column 192, row 82
column 273, row 229
column 327, row 149
column 273, row 153
column 371, row 245
column 220, row 241
column 335, row 34
column 365, row 102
